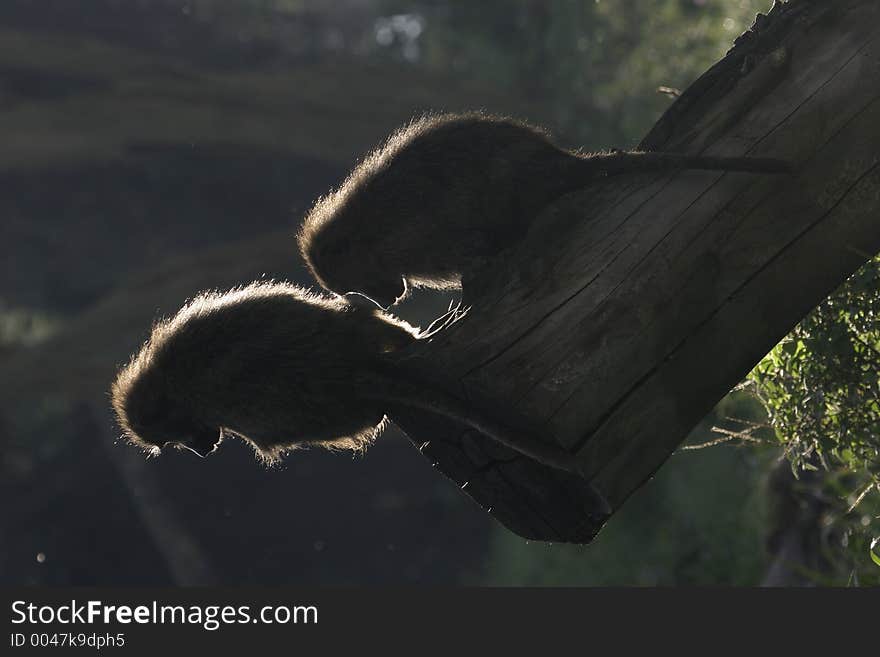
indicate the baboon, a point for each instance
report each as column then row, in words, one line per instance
column 447, row 192
column 282, row 368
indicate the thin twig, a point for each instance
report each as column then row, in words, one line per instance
column 447, row 319
column 862, row 495
column 726, row 436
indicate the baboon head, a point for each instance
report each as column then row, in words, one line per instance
column 153, row 418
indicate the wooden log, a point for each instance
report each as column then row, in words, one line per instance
column 636, row 304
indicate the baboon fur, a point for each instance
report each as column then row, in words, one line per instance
column 269, row 362
column 447, row 192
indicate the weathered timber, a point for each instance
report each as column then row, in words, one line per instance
column 636, row 304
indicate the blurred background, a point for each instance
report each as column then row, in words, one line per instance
column 155, row 148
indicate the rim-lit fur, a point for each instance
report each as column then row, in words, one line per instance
column 408, row 210
column 269, row 362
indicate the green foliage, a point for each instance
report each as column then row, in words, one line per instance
column 820, row 387
column 851, row 526
column 821, row 384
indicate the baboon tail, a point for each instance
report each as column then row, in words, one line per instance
column 621, row 162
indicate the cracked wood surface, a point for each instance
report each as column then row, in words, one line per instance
column 637, row 303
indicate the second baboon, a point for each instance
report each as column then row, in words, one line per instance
column 446, row 193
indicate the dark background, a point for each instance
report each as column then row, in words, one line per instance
column 152, row 149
